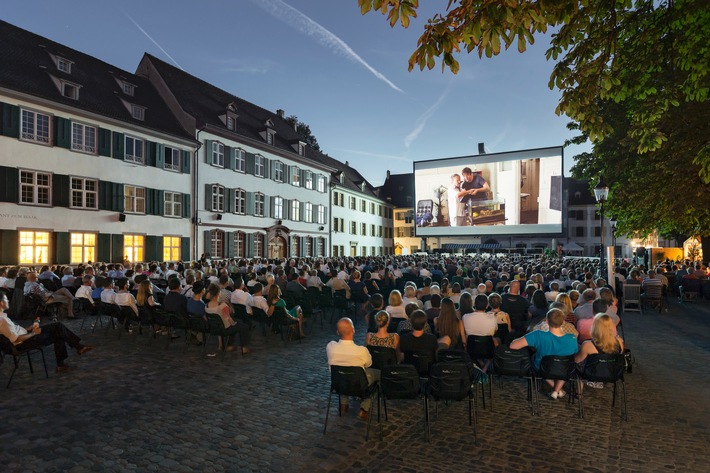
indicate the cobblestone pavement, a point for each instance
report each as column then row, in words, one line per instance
column 133, row 405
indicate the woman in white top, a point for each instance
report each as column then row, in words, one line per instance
column 396, row 307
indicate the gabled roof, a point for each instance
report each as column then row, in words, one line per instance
column 396, row 188
column 352, row 179
column 28, row 67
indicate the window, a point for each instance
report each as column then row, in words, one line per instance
column 309, row 179
column 259, row 165
column 239, row 244
column 597, row 231
column 134, row 200
column 64, row 65
column 240, row 160
column 335, row 198
column 259, row 245
column 295, row 176
column 295, row 210
column 363, row 229
column 579, row 231
column 295, row 246
column 321, row 184
column 217, row 198
column 134, row 150
column 83, row 194
column 353, row 203
column 320, row 246
column 301, row 149
column 372, row 230
column 259, row 204
column 34, row 247
column 83, row 247
column 379, row 231
column 278, row 207
column 138, row 112
column 279, row 171
column 308, row 246
column 240, row 201
column 172, row 159
column 83, row 138
column 269, row 137
column 308, row 217
column 231, row 123
column 217, row 154
column 353, row 228
column 217, row 243
column 372, row 208
column 363, row 206
column 173, row 205
column 321, row 214
column 70, row 91
column 171, row 248
column 133, row 246
column 379, row 210
column 128, row 88
column 35, row 188
column 35, row 126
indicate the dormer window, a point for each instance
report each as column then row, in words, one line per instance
column 270, row 137
column 128, row 88
column 231, row 123
column 70, row 90
column 341, row 177
column 138, row 112
column 63, row 65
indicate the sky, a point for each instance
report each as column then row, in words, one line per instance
column 344, row 74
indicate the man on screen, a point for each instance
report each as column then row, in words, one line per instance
column 473, row 187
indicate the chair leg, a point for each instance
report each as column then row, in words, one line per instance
column 327, row 411
column 369, row 419
column 29, row 361
column 426, row 418
column 625, row 412
column 613, row 396
column 16, row 361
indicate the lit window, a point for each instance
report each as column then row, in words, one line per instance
column 309, row 180
column 259, row 204
column 70, row 91
column 84, row 193
column 217, row 154
column 309, row 212
column 133, row 246
column 295, row 210
column 279, row 171
column 295, row 247
column 173, row 204
column 83, row 138
column 240, row 160
column 138, row 112
column 83, row 247
column 259, row 245
column 171, row 248
column 295, row 176
column 134, row 199
column 259, row 164
column 278, row 207
column 321, row 214
column 217, row 243
column 239, row 244
column 35, row 126
column 34, row 247
column 172, row 159
column 217, row 198
column 35, row 188
column 64, row 65
column 128, row 88
column 240, row 201
column 134, row 150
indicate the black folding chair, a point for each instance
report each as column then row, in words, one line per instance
column 402, row 382
column 516, row 364
column 451, row 381
column 559, row 368
column 603, row 368
column 382, row 356
column 421, row 360
column 8, row 349
column 352, row 381
column 481, row 349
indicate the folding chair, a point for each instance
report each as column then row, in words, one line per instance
column 402, row 382
column 605, row 369
column 450, row 381
column 352, row 381
column 7, row 348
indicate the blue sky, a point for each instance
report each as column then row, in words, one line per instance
column 342, row 73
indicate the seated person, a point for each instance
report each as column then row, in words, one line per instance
column 584, row 326
column 35, row 336
column 382, row 338
column 124, row 298
column 584, row 309
column 377, row 302
column 174, row 300
column 479, row 322
column 232, row 327
column 418, row 340
column 554, row 342
column 405, row 326
column 603, row 340
column 195, row 304
column 108, row 295
column 293, row 315
column 61, row 295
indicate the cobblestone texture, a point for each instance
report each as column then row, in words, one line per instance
column 133, row 405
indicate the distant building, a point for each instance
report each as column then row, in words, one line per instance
column 398, row 190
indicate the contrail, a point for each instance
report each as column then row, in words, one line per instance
column 292, row 17
column 423, row 118
column 376, row 155
column 154, row 42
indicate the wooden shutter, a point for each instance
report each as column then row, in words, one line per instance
column 117, row 245
column 302, row 212
column 103, row 250
column 60, row 190
column 62, row 133
column 267, row 206
column 287, row 209
column 9, row 188
column 250, row 245
column 302, row 246
column 160, row 203
column 9, row 246
column 208, row 151
column 185, row 247
column 186, row 206
column 160, row 158
column 267, row 168
column 228, row 244
column 228, row 157
column 62, row 248
column 104, row 142
column 208, row 197
column 149, row 201
column 150, row 153
column 153, row 248
column 250, row 204
column 11, row 122
column 207, row 243
column 250, row 163
column 229, row 195
column 118, row 194
column 119, row 143
column 186, row 158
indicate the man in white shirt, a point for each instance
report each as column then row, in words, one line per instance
column 346, row 352
column 84, row 291
column 108, row 295
column 551, row 295
column 258, row 300
column 337, row 284
column 480, row 322
column 239, row 295
column 123, row 297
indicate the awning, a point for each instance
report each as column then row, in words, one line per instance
column 470, row 246
column 572, row 246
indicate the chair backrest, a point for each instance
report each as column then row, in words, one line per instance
column 509, row 362
column 453, row 355
column 421, row 360
column 6, row 346
column 449, row 381
column 632, row 293
column 215, row 324
column 382, row 356
column 604, row 368
column 654, row 292
column 198, row 323
column 348, row 380
column 240, row 310
column 259, row 315
column 399, row 382
column 557, row 367
column 502, row 331
column 180, row 320
column 480, row 346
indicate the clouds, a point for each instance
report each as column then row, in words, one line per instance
column 421, row 122
column 301, row 22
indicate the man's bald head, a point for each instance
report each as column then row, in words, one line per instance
column 346, row 329
column 515, row 287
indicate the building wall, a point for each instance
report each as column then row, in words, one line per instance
column 361, row 225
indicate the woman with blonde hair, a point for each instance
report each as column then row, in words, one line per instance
column 396, row 308
column 145, row 295
column 564, row 298
column 604, row 340
column 382, row 338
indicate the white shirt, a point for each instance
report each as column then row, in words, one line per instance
column 343, row 276
column 407, row 300
column 242, row 297
column 125, row 299
column 397, row 312
column 480, row 324
column 259, row 302
column 347, row 353
column 84, row 292
column 108, row 296
column 11, row 330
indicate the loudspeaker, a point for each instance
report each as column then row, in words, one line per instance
column 121, row 217
column 219, row 216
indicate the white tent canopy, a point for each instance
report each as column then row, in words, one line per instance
column 572, row 246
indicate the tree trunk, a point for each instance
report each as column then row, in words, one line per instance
column 705, row 244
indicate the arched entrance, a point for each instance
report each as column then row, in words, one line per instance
column 277, row 247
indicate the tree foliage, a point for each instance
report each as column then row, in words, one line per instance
column 634, row 77
column 304, row 131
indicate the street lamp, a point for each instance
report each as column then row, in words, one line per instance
column 601, row 193
column 612, row 221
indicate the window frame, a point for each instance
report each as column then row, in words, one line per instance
column 34, row 245
column 308, row 179
column 175, row 204
column 240, row 160
column 138, row 112
column 295, row 177
column 36, row 187
column 217, row 237
column 83, row 148
column 259, row 204
column 308, row 212
column 132, row 247
column 217, row 153
column 259, row 165
column 64, row 65
column 240, row 201
column 217, row 195
column 84, row 246
column 84, row 192
column 278, row 171
column 69, row 89
column 128, row 88
column 259, row 244
column 173, row 153
column 321, row 184
column 278, row 207
column 133, row 158
column 135, row 199
column 295, row 210
column 34, row 137
column 240, row 244
column 175, row 249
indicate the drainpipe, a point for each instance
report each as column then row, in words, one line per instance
column 195, row 196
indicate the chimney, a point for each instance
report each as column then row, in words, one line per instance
column 347, row 163
column 280, row 113
column 388, row 175
column 481, row 148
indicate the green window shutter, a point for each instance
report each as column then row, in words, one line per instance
column 287, row 209
column 9, row 246
column 207, row 243
column 287, row 174
column 104, row 142
column 185, row 248
column 267, row 206
column 160, row 157
column 186, row 158
column 149, row 201
column 250, row 245
column 160, row 202
column 60, row 191
column 62, row 248
column 150, row 153
column 229, row 207
column 11, row 121
column 153, row 248
column 117, row 197
column 62, row 133
column 229, row 244
column 208, row 197
column 250, row 163
column 103, row 252
column 9, row 186
column 228, row 157
column 302, row 245
column 117, row 253
column 250, row 203
column 267, row 167
column 104, row 195
column 208, row 151
column 119, row 143
column 185, row 205
column 303, row 212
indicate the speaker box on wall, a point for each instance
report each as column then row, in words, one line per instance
column 121, row 217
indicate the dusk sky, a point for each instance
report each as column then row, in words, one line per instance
column 342, row 73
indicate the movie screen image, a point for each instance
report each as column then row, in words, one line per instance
column 511, row 193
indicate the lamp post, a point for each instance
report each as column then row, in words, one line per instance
column 601, row 193
column 612, row 221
